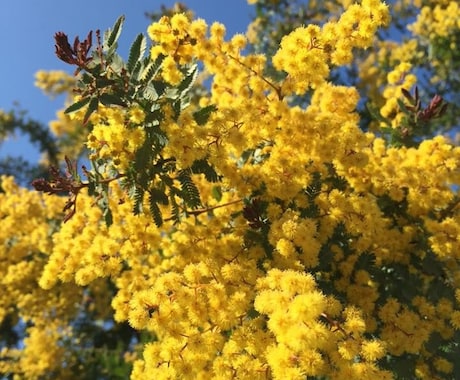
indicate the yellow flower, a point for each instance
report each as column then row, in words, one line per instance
column 372, row 350
column 443, row 365
column 455, row 319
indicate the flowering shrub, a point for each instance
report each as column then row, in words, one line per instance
column 239, row 233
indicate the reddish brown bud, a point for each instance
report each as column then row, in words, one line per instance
column 63, row 49
column 436, row 101
column 252, row 213
column 407, row 95
column 40, row 184
column 436, row 108
column 76, row 55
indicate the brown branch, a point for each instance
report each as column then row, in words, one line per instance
column 400, row 329
column 207, row 209
column 277, row 89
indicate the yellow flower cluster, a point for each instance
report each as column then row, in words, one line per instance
column 41, row 355
column 396, row 172
column 393, row 171
column 305, row 54
column 25, row 243
column 187, row 293
column 305, row 346
column 70, row 132
column 438, row 20
column 430, row 50
column 215, row 297
column 383, row 87
column 54, row 82
column 289, row 233
column 186, row 137
column 437, row 28
column 104, row 249
column 237, row 91
column 63, row 124
column 116, row 135
column 177, row 39
column 397, row 79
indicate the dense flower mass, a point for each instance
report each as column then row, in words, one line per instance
column 307, row 52
column 277, row 238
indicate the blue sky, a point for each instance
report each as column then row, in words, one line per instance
column 26, row 39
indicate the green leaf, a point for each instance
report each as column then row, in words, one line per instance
column 117, row 63
column 76, row 106
column 188, row 81
column 246, row 155
column 86, row 78
column 155, row 211
column 159, row 87
column 92, row 107
column 159, row 196
column 143, row 156
column 366, row 261
column 177, row 108
column 403, row 107
column 217, row 193
column 136, row 51
column 149, row 72
column 91, row 188
column 150, row 93
column 175, row 211
column 110, row 53
column 152, row 68
column 408, row 96
column 108, row 217
column 102, row 82
column 171, row 93
column 403, row 366
column 114, row 33
column 110, row 99
column 138, row 199
column 203, row 167
column 190, row 193
column 201, row 117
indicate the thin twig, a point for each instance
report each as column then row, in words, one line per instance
column 207, row 209
column 277, row 89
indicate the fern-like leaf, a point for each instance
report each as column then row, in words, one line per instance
column 138, row 200
column 114, row 33
column 187, row 83
column 136, row 51
column 201, row 117
column 151, row 70
column 155, row 211
column 108, row 217
column 175, row 211
column 190, row 193
column 92, row 107
column 77, row 105
column 203, row 167
column 159, row 196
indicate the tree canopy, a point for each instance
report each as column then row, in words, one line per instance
column 276, row 205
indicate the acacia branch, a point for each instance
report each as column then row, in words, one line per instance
column 276, row 88
column 206, row 209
